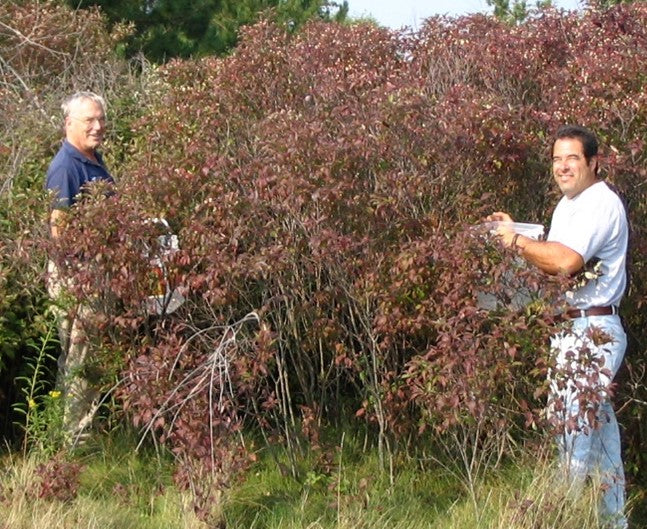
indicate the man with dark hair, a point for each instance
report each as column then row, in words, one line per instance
column 76, row 166
column 586, row 137
column 589, row 225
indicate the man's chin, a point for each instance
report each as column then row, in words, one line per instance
column 566, row 190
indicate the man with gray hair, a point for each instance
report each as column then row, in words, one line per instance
column 76, row 166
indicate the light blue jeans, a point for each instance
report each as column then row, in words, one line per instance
column 590, row 440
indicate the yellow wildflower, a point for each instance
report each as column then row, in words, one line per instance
column 55, row 394
column 31, row 403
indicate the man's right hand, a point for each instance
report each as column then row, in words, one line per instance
column 505, row 233
column 499, row 216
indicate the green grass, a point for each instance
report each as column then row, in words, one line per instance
column 342, row 488
column 352, row 492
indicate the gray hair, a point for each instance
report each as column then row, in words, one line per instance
column 69, row 101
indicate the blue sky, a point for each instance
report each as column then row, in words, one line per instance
column 398, row 13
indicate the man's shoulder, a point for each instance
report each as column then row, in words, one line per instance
column 602, row 189
column 599, row 195
column 604, row 207
column 609, row 201
column 65, row 158
column 596, row 205
column 64, row 166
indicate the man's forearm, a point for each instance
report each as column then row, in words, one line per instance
column 57, row 222
column 552, row 257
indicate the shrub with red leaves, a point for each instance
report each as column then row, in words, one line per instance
column 325, row 180
column 59, row 479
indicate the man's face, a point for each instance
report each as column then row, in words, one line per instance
column 85, row 126
column 570, row 169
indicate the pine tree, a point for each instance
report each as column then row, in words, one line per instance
column 164, row 29
column 516, row 11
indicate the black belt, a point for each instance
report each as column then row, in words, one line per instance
column 591, row 311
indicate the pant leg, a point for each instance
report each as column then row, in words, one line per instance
column 591, row 449
column 55, row 290
column 609, row 465
column 575, row 437
column 79, row 396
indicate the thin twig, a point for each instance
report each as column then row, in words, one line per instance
column 32, row 42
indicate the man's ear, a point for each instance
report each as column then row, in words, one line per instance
column 593, row 164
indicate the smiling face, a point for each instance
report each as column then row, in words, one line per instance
column 85, row 126
column 572, row 172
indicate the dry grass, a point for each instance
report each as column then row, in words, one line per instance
column 119, row 492
column 537, row 498
column 21, row 508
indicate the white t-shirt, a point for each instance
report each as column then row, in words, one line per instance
column 594, row 224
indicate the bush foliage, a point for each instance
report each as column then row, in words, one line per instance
column 326, row 181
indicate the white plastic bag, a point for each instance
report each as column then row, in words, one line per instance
column 163, row 300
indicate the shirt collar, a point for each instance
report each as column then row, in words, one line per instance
column 73, row 151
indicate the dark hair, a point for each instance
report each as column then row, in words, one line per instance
column 587, row 138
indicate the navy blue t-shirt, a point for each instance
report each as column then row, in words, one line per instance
column 70, row 171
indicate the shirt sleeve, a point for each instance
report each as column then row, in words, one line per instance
column 589, row 229
column 64, row 184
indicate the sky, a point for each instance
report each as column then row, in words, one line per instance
column 398, row 13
